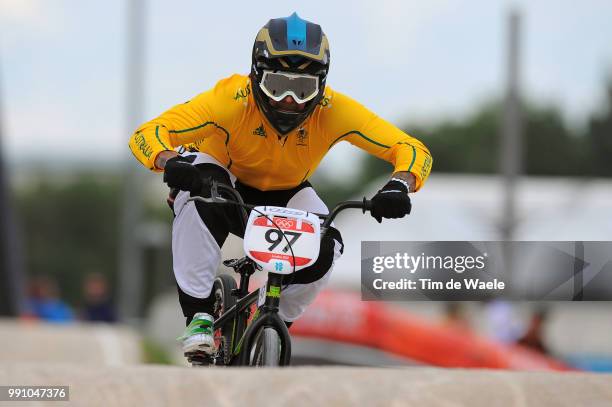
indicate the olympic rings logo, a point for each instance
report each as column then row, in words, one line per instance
column 284, row 223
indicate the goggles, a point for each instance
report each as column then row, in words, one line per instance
column 277, row 85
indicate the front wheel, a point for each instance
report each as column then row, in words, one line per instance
column 267, row 348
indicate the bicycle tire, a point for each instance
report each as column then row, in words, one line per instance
column 267, row 348
column 224, row 300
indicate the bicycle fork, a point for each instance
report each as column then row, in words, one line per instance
column 268, row 318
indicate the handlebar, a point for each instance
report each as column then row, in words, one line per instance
column 365, row 205
column 215, row 197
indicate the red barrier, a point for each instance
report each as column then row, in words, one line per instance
column 343, row 317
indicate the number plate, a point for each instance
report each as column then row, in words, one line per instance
column 267, row 246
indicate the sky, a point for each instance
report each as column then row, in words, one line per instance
column 62, row 62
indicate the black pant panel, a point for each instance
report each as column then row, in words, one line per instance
column 219, row 219
column 191, row 305
column 322, row 265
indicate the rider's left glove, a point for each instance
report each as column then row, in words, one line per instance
column 180, row 173
column 392, row 201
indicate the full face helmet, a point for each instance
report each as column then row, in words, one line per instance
column 290, row 58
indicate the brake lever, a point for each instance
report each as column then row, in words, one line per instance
column 214, row 192
column 215, row 197
column 207, row 200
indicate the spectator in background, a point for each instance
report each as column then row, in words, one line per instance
column 455, row 315
column 533, row 337
column 45, row 303
column 501, row 321
column 98, row 306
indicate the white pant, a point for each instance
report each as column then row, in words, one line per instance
column 197, row 256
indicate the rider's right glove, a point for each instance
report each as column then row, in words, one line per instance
column 180, row 173
column 392, row 201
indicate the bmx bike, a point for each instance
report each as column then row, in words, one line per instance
column 280, row 241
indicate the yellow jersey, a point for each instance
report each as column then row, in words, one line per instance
column 225, row 123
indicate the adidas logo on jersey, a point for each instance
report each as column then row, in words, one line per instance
column 260, row 131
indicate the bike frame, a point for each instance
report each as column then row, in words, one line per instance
column 243, row 337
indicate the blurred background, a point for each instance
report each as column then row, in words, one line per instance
column 514, row 100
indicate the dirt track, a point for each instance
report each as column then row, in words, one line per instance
column 152, row 385
column 97, row 344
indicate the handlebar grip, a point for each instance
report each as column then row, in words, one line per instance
column 367, row 205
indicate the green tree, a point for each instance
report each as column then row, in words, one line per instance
column 599, row 138
column 471, row 145
column 71, row 228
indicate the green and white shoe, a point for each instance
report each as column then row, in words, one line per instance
column 198, row 336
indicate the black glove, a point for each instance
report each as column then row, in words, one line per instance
column 392, row 201
column 180, row 173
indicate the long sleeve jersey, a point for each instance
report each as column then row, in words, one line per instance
column 226, row 123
